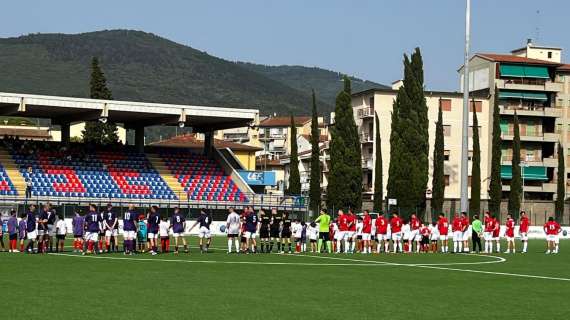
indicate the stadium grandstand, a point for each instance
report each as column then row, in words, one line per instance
column 39, row 171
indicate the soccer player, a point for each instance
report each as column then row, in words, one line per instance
column 488, row 233
column 42, row 229
column 297, row 229
column 396, row 229
column 129, row 229
column 366, row 232
column 286, row 233
column 60, row 232
column 552, row 229
column 382, row 234
column 476, row 232
column 324, row 221
column 465, row 226
column 313, row 235
column 233, row 228
column 351, row 233
column 264, row 231
column 111, row 232
column 415, row 235
column 275, row 230
column 433, row 236
column 163, row 232
column 425, row 234
column 359, row 226
column 457, row 229
column 342, row 231
column 523, row 230
column 204, row 221
column 142, row 234
column 153, row 228
column 31, row 232
column 12, row 225
column 251, row 227
column 22, row 226
column 78, row 229
column 510, row 233
column 92, row 224
column 334, row 234
column 50, row 227
column 178, row 223
column 496, row 231
column 443, row 228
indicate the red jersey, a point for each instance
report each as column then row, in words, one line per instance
column 396, row 224
column 464, row 223
column 415, row 223
column 496, row 228
column 552, row 228
column 343, row 222
column 425, row 231
column 381, row 225
column 510, row 224
column 489, row 224
column 366, row 224
column 331, row 231
column 524, row 225
column 351, row 223
column 457, row 224
column 443, row 226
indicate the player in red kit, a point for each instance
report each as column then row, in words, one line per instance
column 457, row 229
column 496, row 233
column 523, row 230
column 366, row 232
column 382, row 234
column 489, row 225
column 510, row 233
column 415, row 235
column 342, row 230
column 425, row 234
column 552, row 229
column 466, row 231
column 443, row 228
column 396, row 229
column 351, row 233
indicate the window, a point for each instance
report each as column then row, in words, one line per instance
column 446, row 179
column 445, row 104
column 549, row 54
column 370, row 150
column 446, row 130
column 478, row 106
column 446, row 154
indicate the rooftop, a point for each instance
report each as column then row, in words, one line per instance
column 190, row 141
column 283, row 121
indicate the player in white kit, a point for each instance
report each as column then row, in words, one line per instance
column 232, row 229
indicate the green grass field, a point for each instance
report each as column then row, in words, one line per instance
column 272, row 286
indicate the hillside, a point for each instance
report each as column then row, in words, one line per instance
column 144, row 67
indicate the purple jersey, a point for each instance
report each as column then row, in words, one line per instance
column 78, row 224
column 42, row 224
column 129, row 220
column 12, row 225
column 22, row 229
column 251, row 222
column 30, row 222
column 50, row 217
column 111, row 218
column 204, row 220
column 177, row 222
column 153, row 221
column 92, row 220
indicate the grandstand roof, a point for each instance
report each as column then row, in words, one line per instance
column 132, row 114
column 283, row 121
column 190, row 141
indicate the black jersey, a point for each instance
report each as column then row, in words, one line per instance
column 276, row 222
column 287, row 224
column 265, row 220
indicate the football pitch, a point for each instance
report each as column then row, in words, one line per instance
column 286, row 286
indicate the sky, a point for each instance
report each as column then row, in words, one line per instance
column 364, row 38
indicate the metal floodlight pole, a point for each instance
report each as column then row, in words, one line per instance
column 464, row 140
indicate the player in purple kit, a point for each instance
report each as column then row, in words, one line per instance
column 153, row 222
column 92, row 225
column 129, row 229
column 42, row 229
column 13, row 231
column 204, row 220
column 50, row 227
column 178, row 223
column 78, row 228
column 110, row 225
column 31, row 231
column 22, row 231
column 251, row 226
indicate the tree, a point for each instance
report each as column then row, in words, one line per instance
column 516, row 185
column 95, row 131
column 495, row 186
column 378, row 167
column 294, row 176
column 438, row 182
column 560, row 185
column 475, row 203
column 315, row 183
column 344, row 189
column 409, row 147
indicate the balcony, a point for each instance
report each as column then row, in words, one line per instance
column 366, row 138
column 530, row 110
column 367, row 163
column 537, row 136
column 531, row 161
column 530, row 84
column 365, row 113
column 544, row 187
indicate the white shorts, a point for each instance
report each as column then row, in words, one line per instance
column 381, row 237
column 204, row 233
column 457, row 236
column 249, row 235
column 524, row 236
column 41, row 232
column 32, row 235
column 178, row 234
column 466, row 235
column 341, row 235
column 413, row 236
column 510, row 238
column 397, row 236
column 129, row 234
column 418, row 237
column 488, row 236
column 231, row 230
column 111, row 233
column 442, row 237
column 92, row 236
column 152, row 236
column 312, row 239
column 51, row 230
column 350, row 234
column 551, row 237
column 366, row 236
column 433, row 237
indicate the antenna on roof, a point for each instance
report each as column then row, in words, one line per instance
column 537, row 27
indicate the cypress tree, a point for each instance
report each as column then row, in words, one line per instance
column 409, row 147
column 495, row 186
column 378, row 167
column 516, row 185
column 438, row 182
column 344, row 189
column 95, row 131
column 475, row 202
column 560, row 185
column 294, row 176
column 315, row 183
